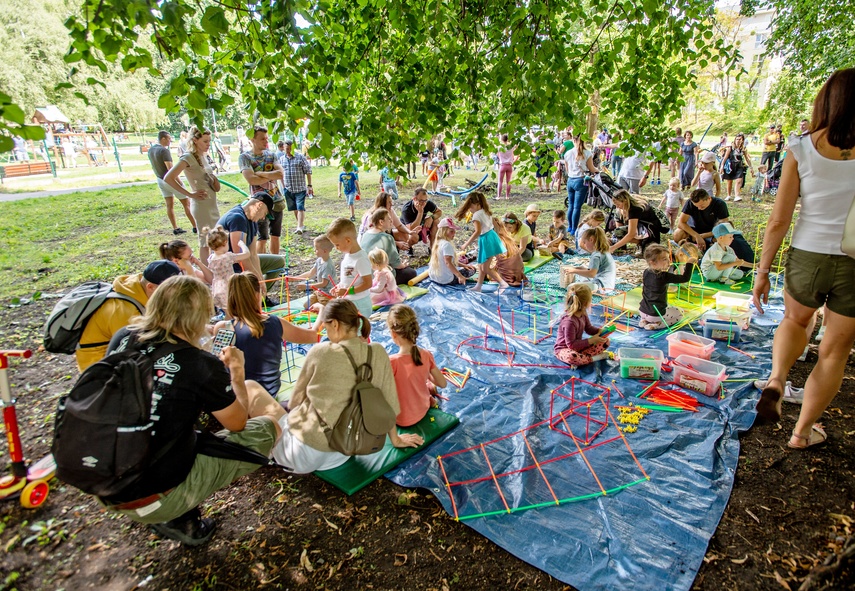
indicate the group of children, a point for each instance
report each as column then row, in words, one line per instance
column 719, row 263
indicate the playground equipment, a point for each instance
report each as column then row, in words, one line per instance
column 30, row 485
column 461, row 192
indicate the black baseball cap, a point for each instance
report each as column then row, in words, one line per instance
column 267, row 200
column 159, row 271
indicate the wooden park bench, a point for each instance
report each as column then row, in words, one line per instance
column 20, row 169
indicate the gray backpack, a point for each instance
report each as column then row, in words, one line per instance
column 363, row 424
column 66, row 322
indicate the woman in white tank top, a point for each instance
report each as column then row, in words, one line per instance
column 818, row 173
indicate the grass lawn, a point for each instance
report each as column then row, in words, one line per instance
column 53, row 243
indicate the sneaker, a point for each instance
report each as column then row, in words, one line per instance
column 727, row 198
column 791, row 394
column 803, row 356
column 737, row 198
column 177, row 231
column 195, row 231
column 728, row 282
column 353, row 218
column 820, row 334
column 298, row 230
column 189, row 529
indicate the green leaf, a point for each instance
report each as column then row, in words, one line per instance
column 214, row 21
column 14, row 113
column 31, row 132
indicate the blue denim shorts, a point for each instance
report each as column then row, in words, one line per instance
column 295, row 201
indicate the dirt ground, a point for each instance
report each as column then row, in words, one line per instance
column 789, row 513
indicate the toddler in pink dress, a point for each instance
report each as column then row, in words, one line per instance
column 221, row 262
column 383, row 290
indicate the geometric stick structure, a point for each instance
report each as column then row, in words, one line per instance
column 541, row 456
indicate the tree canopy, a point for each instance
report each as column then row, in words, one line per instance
column 34, row 73
column 380, row 76
column 815, row 38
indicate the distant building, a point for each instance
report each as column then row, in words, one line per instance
column 751, row 41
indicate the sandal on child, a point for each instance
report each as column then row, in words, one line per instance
column 769, row 406
column 816, row 437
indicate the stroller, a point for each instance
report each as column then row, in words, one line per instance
column 773, row 178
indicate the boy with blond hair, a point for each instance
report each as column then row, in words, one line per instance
column 356, row 273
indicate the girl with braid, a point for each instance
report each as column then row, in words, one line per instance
column 416, row 375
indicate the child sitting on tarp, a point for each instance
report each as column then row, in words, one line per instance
column 571, row 346
column 601, row 273
column 720, row 262
column 558, row 244
column 654, row 309
column 416, row 374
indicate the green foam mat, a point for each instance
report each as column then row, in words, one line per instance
column 741, row 286
column 632, row 300
column 360, row 471
column 538, row 260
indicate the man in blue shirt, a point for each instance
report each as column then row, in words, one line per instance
column 241, row 222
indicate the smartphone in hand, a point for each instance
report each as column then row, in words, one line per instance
column 224, row 338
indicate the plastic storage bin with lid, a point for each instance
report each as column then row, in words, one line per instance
column 698, row 374
column 687, row 343
column 737, row 301
column 643, row 364
column 721, row 328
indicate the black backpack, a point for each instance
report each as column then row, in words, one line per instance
column 362, row 426
column 66, row 322
column 103, row 430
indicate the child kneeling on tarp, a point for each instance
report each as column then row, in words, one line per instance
column 654, row 309
column 571, row 346
column 720, row 262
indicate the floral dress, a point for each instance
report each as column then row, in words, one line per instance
column 222, row 266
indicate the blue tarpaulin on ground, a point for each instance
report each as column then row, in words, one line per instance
column 648, row 535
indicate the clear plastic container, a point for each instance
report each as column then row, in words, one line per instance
column 721, row 329
column 687, row 343
column 740, row 317
column 698, row 374
column 737, row 301
column 642, row 364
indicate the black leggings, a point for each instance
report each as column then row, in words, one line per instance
column 528, row 253
column 402, row 276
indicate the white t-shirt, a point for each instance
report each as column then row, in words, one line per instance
column 714, row 254
column 633, row 167
column 576, row 168
column 827, row 192
column 673, row 199
column 444, row 274
column 486, row 221
column 351, row 264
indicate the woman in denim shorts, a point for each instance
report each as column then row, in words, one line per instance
column 818, row 169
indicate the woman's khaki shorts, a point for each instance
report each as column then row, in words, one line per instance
column 814, row 280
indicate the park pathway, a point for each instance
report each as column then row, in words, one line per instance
column 36, row 194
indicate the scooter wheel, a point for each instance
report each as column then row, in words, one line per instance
column 34, row 494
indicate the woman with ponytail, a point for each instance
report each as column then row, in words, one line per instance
column 571, row 346
column 416, row 374
column 323, row 390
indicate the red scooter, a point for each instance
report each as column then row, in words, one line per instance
column 30, row 485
